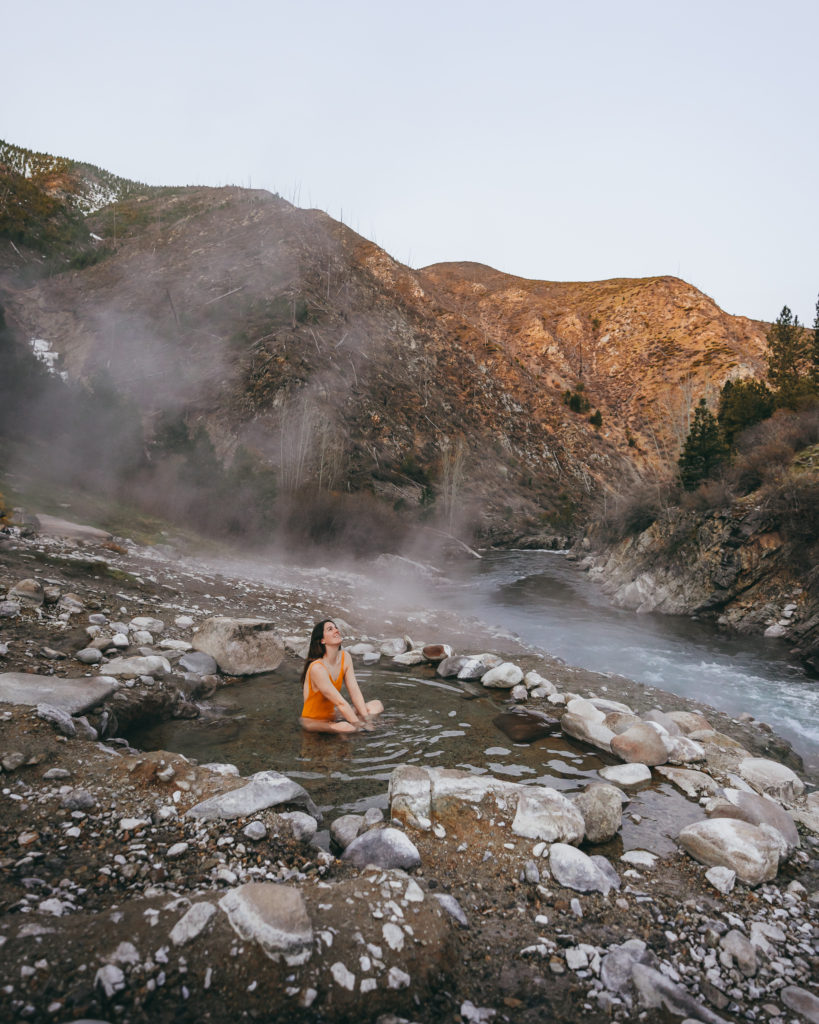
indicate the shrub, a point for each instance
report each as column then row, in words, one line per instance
column 632, row 512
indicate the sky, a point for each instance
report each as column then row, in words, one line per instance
column 557, row 141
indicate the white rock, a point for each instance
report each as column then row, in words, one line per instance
column 192, row 923
column 772, row 778
column 132, row 824
column 722, row 879
column 573, row 869
column 639, row 858
column 273, row 915
column 342, row 976
column 397, row 979
column 130, row 668
column 177, row 850
column 147, row 622
column 110, row 978
column 303, row 826
column 727, row 842
column 503, row 677
column 544, row 813
column 183, row 621
column 535, row 681
column 585, row 709
column 519, row 693
column 626, row 776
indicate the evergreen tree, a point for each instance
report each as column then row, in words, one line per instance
column 815, row 350
column 787, row 357
column 704, row 448
column 741, row 404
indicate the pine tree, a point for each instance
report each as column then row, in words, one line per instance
column 815, row 350
column 787, row 357
column 741, row 404
column 704, row 448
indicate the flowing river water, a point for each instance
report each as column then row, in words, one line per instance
column 551, row 606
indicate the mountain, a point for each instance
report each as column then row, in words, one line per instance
column 267, row 341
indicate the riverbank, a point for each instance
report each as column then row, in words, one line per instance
column 96, row 880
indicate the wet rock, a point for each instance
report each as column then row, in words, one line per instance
column 691, row 782
column 640, row 743
column 726, row 842
column 535, row 681
column 264, row 789
column 502, row 677
column 451, row 666
column 274, row 916
column 519, row 693
column 240, row 647
column 395, row 645
column 596, row 734
column 27, row 592
column 525, row 726
column 199, row 663
column 758, row 810
column 771, row 778
column 130, row 668
column 387, row 848
column 602, row 809
column 544, row 813
column 573, row 869
column 626, row 776
column 585, row 709
column 192, row 923
column 435, row 653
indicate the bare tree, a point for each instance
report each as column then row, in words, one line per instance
column 453, row 474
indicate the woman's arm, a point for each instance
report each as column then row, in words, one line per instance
column 354, row 690
column 321, row 681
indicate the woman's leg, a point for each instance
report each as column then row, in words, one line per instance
column 323, row 725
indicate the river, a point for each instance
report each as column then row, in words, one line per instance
column 550, row 603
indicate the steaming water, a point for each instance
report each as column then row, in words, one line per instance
column 551, row 604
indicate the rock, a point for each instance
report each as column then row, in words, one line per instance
column 572, row 869
column 519, row 693
column 12, row 760
column 60, row 719
column 303, row 826
column 387, row 848
column 192, row 923
column 451, row 666
column 535, row 681
column 654, row 989
column 71, row 603
column 771, row 778
column 372, row 816
column 757, row 810
column 476, row 666
column 9, row 609
column 692, row 783
column 257, row 830
column 585, row 709
column 610, row 707
column 802, row 1001
column 602, row 810
column 619, row 721
column 148, row 623
column 776, row 630
column 27, row 592
column 89, row 656
column 666, row 721
column 525, row 726
column 722, row 879
column 264, row 789
column 72, row 695
column 369, row 658
column 240, row 647
column 177, row 850
column 344, row 829
column 409, row 658
column 683, row 750
column 199, row 663
column 640, row 743
column 435, row 653
column 689, row 721
column 183, row 621
column 395, row 645
column 726, row 842
column 452, row 907
column 53, row 526
column 606, row 868
column 626, row 776
column 740, row 949
column 110, row 979
column 410, row 796
column 274, row 916
column 544, row 813
column 130, row 668
column 79, row 800
column 503, row 677
column 617, row 964
column 596, row 734
column 722, row 753
column 639, row 858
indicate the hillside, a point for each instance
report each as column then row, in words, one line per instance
column 280, row 342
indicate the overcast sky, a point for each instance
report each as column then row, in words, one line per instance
column 554, row 140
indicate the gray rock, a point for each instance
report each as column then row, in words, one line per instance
column 619, row 721
column 758, row 810
column 617, row 964
column 602, row 809
column 53, row 526
column 147, row 623
column 89, row 656
column 771, row 778
column 452, row 907
column 373, row 816
column 130, row 668
column 666, row 721
column 395, row 645
column 79, row 800
column 72, row 695
column 606, row 868
column 544, row 813
column 344, row 829
column 801, row 1000
column 264, row 789
column 691, row 782
column 387, row 848
column 274, row 916
column 255, row 831
column 683, row 750
column 240, row 647
column 573, row 869
column 71, row 603
column 726, row 842
column 9, row 609
column 743, row 953
column 626, row 776
column 60, row 719
column 596, row 734
column 450, row 667
column 27, row 592
column 654, row 990
column 303, row 826
column 722, row 879
column 199, row 663
column 641, row 743
column 12, row 760
column 192, row 923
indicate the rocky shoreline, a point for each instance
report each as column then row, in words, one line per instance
column 142, row 886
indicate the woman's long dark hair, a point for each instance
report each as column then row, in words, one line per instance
column 316, row 650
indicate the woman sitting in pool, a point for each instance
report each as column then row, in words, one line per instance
column 326, row 667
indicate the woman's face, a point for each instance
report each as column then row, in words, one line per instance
column 332, row 634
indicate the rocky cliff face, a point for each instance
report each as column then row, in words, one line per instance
column 282, row 333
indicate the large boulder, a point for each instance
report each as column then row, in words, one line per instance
column 502, row 677
column 240, row 647
column 772, row 778
column 262, row 790
column 596, row 734
column 130, row 668
column 641, row 743
column 738, row 845
column 28, row 592
column 73, row 696
column 544, row 813
column 689, row 721
column 758, row 810
column 385, row 847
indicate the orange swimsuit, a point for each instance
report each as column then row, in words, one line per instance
column 316, row 705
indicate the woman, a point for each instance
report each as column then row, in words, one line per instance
column 326, row 667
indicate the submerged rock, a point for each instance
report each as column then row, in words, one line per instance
column 524, row 726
